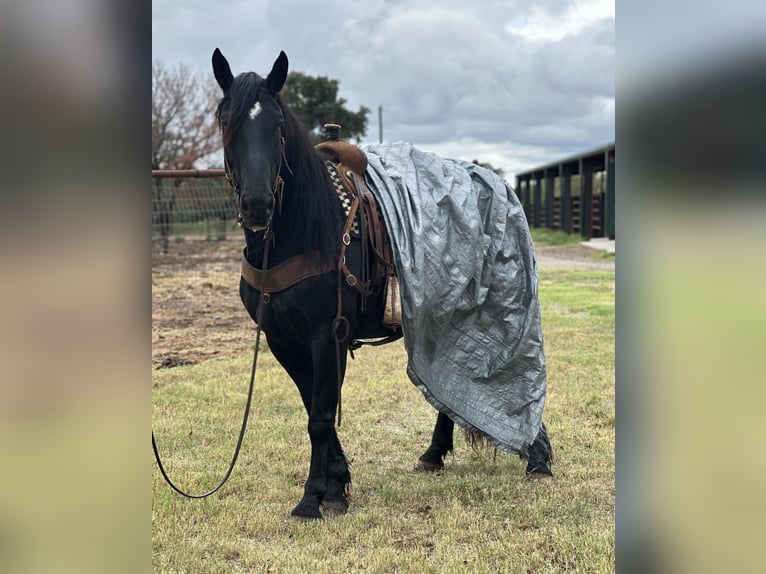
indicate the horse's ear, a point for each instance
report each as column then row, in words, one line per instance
column 278, row 75
column 222, row 71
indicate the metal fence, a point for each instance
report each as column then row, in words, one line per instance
column 190, row 202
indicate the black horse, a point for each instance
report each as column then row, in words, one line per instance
column 289, row 208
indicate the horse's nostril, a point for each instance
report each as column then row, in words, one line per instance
column 256, row 210
column 255, row 204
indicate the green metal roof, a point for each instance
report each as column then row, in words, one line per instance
column 571, row 159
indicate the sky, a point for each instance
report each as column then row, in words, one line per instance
column 516, row 84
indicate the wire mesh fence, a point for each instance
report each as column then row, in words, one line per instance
column 190, row 203
column 197, row 313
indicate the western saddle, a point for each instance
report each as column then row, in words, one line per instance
column 345, row 165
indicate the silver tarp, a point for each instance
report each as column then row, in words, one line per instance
column 468, row 278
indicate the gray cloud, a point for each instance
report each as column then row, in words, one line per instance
column 471, row 79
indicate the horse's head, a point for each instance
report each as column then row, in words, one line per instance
column 251, row 122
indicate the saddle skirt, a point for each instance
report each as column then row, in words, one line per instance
column 364, row 222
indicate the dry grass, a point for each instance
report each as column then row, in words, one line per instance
column 480, row 515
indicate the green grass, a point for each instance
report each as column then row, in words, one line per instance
column 480, row 515
column 545, row 236
column 602, row 255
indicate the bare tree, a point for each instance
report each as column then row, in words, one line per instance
column 184, row 131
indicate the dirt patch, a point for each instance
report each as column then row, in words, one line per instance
column 196, row 310
column 573, row 256
column 197, row 313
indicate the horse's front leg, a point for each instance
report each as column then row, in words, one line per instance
column 301, row 370
column 324, row 441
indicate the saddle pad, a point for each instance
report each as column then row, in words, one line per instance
column 345, row 196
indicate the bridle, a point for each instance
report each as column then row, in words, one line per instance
column 277, row 188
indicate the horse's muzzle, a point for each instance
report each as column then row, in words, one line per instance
column 256, row 212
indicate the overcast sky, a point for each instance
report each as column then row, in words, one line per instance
column 513, row 83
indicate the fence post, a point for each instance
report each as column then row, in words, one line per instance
column 566, row 197
column 609, row 200
column 162, row 207
column 586, row 198
column 550, row 182
column 537, row 200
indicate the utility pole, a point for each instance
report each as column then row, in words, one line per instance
column 380, row 122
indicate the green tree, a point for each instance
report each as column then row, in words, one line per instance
column 315, row 102
column 489, row 166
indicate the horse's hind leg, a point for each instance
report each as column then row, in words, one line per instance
column 441, row 444
column 540, row 455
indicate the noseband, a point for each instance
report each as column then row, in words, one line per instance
column 277, row 189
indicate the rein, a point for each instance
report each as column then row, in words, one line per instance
column 247, row 406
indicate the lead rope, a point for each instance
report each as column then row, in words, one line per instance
column 239, row 440
column 268, row 236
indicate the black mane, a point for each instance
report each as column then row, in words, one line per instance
column 314, row 209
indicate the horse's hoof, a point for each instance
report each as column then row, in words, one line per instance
column 537, row 472
column 305, row 513
column 428, row 466
column 303, row 519
column 336, row 506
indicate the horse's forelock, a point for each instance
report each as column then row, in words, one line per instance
column 240, row 99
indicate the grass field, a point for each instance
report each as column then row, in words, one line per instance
column 545, row 236
column 480, row 515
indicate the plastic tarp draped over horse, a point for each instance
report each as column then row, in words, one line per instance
column 468, row 281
